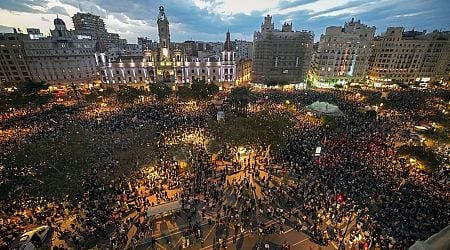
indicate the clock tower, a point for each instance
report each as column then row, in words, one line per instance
column 164, row 35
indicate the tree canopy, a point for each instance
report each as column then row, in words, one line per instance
column 160, row 90
column 241, row 97
column 263, row 129
column 203, row 91
column 128, row 94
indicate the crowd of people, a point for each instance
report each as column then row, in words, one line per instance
column 357, row 182
column 358, row 176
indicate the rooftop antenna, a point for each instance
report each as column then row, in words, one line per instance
column 79, row 6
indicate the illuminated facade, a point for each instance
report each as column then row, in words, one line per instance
column 244, row 71
column 163, row 64
column 344, row 52
column 408, row 57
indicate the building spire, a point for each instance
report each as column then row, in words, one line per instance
column 228, row 46
column 162, row 14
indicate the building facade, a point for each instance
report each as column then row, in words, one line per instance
column 343, row 53
column 13, row 66
column 61, row 58
column 281, row 56
column 87, row 24
column 409, row 56
column 165, row 64
column 244, row 71
column 243, row 49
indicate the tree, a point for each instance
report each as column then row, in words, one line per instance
column 108, row 92
column 129, row 94
column 240, row 97
column 94, row 96
column 160, row 90
column 203, row 91
column 31, row 92
column 184, row 93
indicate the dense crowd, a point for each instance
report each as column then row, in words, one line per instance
column 358, row 175
column 358, row 181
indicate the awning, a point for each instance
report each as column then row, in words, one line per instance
column 164, row 208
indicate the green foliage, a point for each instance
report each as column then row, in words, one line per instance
column 338, row 86
column 184, row 93
column 373, row 98
column 328, row 121
column 128, row 94
column 273, row 82
column 60, row 166
column 94, row 96
column 421, row 153
column 160, row 90
column 439, row 135
column 372, row 114
column 214, row 146
column 91, row 243
column 108, row 92
column 203, row 91
column 241, row 97
column 262, row 129
column 31, row 92
column 11, row 100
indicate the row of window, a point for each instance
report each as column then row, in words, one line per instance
column 56, row 52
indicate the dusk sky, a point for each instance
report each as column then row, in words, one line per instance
column 209, row 20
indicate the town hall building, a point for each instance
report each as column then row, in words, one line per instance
column 164, row 64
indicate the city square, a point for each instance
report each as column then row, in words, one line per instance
column 157, row 178
column 280, row 143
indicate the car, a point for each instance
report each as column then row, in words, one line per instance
column 32, row 239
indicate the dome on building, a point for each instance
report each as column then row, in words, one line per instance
column 58, row 21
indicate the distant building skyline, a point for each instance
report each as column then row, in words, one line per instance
column 208, row 20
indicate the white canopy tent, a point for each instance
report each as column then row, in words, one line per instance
column 164, row 208
column 324, row 108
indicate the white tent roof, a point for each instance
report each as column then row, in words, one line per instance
column 164, row 208
column 325, row 108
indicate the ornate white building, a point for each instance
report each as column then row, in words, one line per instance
column 165, row 65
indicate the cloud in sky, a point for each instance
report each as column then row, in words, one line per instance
column 209, row 19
